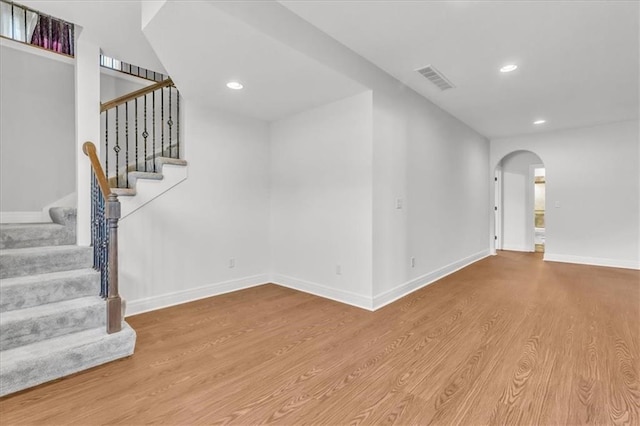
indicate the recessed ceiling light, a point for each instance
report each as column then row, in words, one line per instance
column 539, row 121
column 234, row 85
column 509, row 68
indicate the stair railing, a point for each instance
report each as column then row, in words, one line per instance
column 105, row 213
column 139, row 127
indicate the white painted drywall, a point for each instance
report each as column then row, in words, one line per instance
column 517, row 201
column 114, row 84
column 592, row 191
column 87, row 101
column 436, row 167
column 177, row 247
column 37, row 129
column 321, row 195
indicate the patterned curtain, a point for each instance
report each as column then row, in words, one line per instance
column 53, row 34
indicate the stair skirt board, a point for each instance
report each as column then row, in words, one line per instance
column 31, row 365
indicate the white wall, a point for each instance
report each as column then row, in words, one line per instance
column 517, row 201
column 114, row 84
column 592, row 191
column 177, row 247
column 436, row 166
column 37, row 129
column 321, row 201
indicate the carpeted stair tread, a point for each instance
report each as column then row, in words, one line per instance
column 30, row 325
column 124, row 192
column 23, row 235
column 171, row 161
column 40, row 362
column 33, row 290
column 41, row 260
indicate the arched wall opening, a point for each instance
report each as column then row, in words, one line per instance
column 519, row 205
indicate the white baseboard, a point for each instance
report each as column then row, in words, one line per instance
column 24, row 217
column 171, row 299
column 316, row 289
column 595, row 261
column 402, row 290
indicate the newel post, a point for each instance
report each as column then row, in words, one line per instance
column 114, row 303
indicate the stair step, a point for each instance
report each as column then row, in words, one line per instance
column 23, row 235
column 30, row 325
column 34, row 290
column 124, row 192
column 42, row 260
column 133, row 177
column 66, row 216
column 40, row 362
column 160, row 161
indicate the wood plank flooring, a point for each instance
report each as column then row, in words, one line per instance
column 508, row 340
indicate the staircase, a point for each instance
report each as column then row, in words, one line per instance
column 52, row 321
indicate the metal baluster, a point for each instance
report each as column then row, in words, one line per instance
column 104, row 248
column 106, row 144
column 161, row 122
column 170, row 123
column 117, row 149
column 94, row 230
column 136, row 112
column 153, row 112
column 126, row 144
column 178, row 124
column 145, row 134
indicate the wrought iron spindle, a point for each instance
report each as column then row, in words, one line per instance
column 106, row 144
column 126, row 145
column 153, row 112
column 170, row 124
column 145, row 134
column 178, row 123
column 161, row 122
column 116, row 148
column 136, row 112
column 99, row 236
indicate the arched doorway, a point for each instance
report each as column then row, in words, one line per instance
column 519, row 208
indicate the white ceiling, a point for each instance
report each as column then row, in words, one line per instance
column 578, row 60
column 203, row 48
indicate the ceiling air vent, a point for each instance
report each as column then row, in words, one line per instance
column 436, row 77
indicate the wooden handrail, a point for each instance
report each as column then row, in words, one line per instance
column 89, row 150
column 131, row 96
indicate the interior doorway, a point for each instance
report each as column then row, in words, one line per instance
column 519, row 209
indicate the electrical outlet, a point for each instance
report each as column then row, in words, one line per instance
column 338, row 270
column 232, row 262
column 413, row 262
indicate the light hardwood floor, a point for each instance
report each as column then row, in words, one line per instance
column 508, row 340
